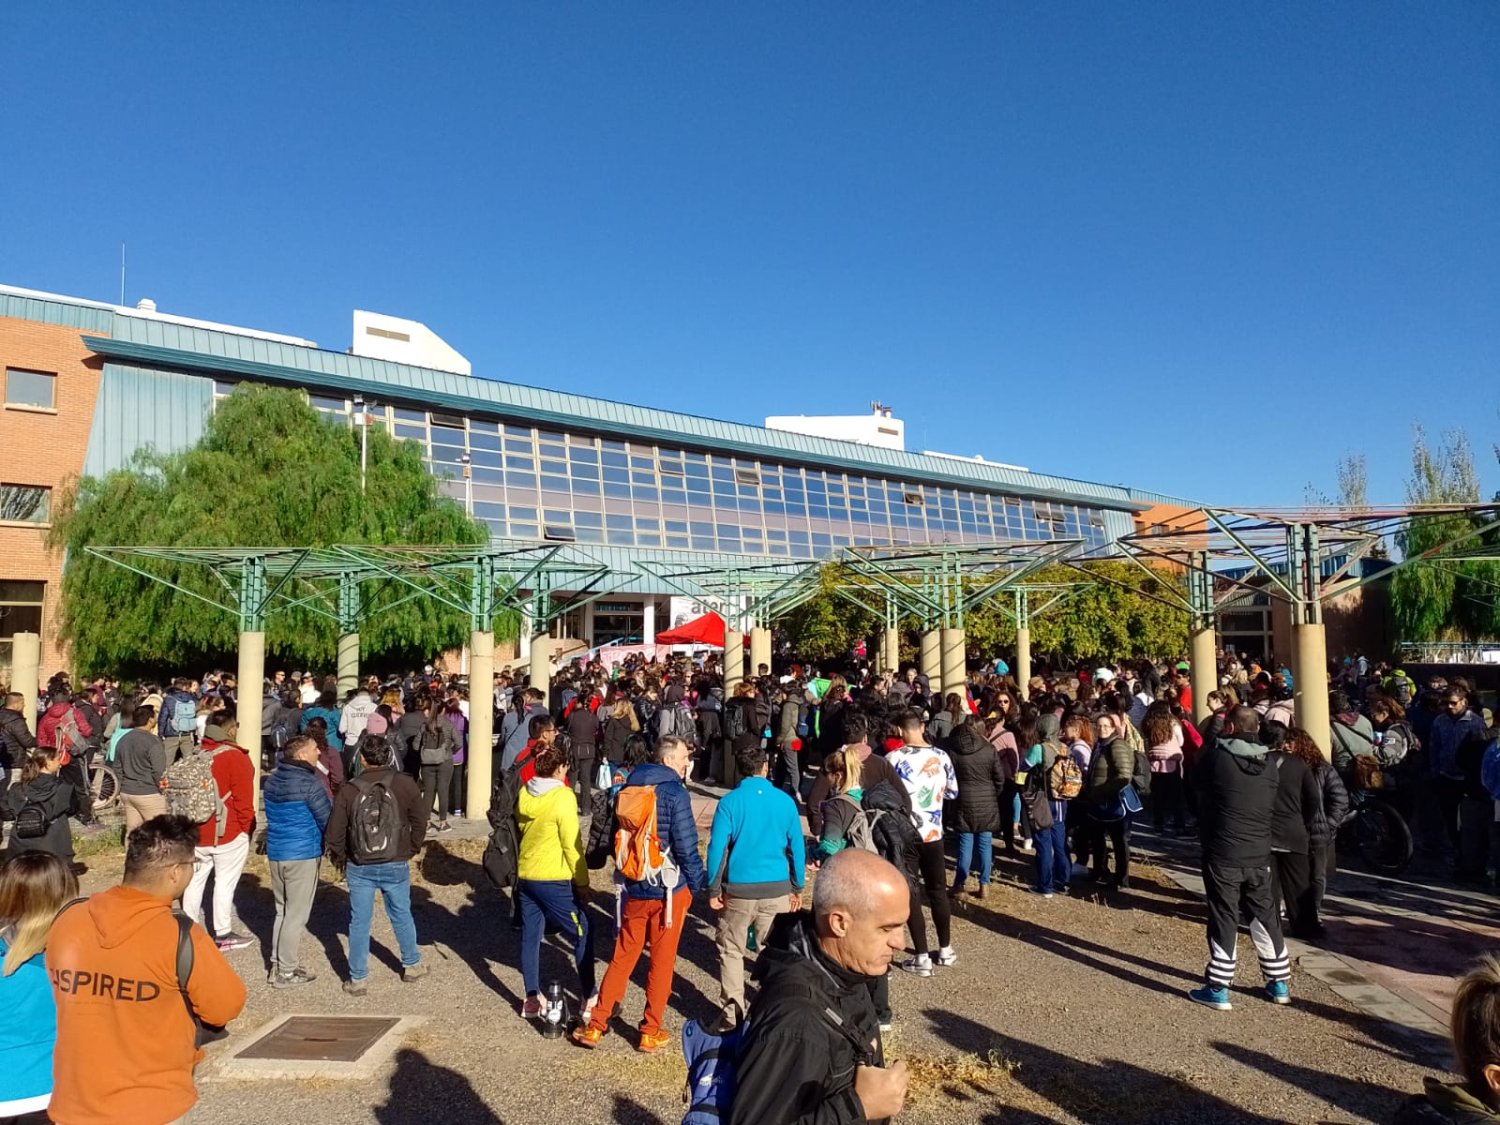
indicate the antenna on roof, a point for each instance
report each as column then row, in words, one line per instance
column 122, row 273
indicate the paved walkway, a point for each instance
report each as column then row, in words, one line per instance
column 1395, row 947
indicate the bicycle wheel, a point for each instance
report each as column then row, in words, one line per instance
column 106, row 786
column 1383, row 838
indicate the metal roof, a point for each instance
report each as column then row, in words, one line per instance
column 187, row 348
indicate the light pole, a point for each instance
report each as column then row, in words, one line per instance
column 364, row 437
column 465, row 460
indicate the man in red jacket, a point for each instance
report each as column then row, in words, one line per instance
column 224, row 839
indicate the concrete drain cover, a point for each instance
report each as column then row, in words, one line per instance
column 308, row 1046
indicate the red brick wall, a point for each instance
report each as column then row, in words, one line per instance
column 44, row 449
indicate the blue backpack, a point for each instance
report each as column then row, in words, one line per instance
column 1489, row 769
column 713, row 1063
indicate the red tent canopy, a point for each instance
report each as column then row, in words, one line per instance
column 705, row 630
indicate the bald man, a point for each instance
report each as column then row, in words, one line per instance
column 812, row 1055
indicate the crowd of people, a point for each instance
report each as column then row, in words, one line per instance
column 863, row 781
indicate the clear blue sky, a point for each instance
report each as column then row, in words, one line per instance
column 1200, row 248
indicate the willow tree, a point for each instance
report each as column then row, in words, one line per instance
column 1438, row 600
column 269, row 471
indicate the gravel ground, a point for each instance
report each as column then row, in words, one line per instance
column 1068, row 1010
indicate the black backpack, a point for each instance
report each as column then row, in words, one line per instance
column 601, row 842
column 891, row 829
column 734, row 720
column 501, row 859
column 375, row 831
column 31, row 822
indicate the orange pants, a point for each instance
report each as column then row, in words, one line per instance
column 643, row 923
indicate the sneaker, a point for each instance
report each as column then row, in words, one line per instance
column 886, row 1024
column 652, row 1041
column 293, row 978
column 1277, row 992
column 444, row 826
column 918, row 966
column 415, row 972
column 232, row 941
column 587, row 1036
column 978, row 895
column 1027, row 846
column 1211, row 997
column 946, row 956
column 531, row 1008
column 356, row 987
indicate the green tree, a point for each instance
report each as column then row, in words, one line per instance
column 270, row 471
column 1442, row 600
column 827, row 626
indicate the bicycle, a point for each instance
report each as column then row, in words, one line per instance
column 104, row 784
column 1377, row 830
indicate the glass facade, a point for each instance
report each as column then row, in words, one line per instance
column 531, row 483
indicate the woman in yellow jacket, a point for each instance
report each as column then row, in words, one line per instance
column 551, row 874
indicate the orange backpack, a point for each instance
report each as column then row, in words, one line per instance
column 641, row 855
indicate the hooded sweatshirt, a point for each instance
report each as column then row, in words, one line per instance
column 547, row 815
column 113, row 964
column 1445, row 1104
column 1236, row 784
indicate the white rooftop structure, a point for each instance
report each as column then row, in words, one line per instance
column 879, row 427
column 377, row 336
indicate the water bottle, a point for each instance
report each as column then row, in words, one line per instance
column 751, row 945
column 553, row 1016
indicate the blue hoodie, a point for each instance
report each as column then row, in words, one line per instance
column 755, row 844
column 28, row 1032
column 674, row 824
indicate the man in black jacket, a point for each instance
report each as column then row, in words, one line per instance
column 15, row 737
column 812, row 1055
column 1237, row 783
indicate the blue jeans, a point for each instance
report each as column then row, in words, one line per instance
column 966, row 848
column 544, row 901
column 393, row 881
column 1053, row 867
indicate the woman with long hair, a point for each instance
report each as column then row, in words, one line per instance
column 946, row 721
column 39, row 805
column 839, row 809
column 436, row 745
column 1164, row 750
column 1329, row 810
column 33, row 888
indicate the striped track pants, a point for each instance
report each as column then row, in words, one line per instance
column 1237, row 894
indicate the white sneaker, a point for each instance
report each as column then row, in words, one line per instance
column 918, row 966
column 946, row 956
column 1027, row 846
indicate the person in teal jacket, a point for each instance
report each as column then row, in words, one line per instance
column 755, row 871
column 33, row 888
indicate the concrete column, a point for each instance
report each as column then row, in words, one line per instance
column 541, row 665
column 953, row 660
column 1023, row 659
column 734, row 660
column 648, row 622
column 25, row 673
column 481, row 756
column 251, row 675
column 930, row 659
column 588, row 624
column 348, row 663
column 1311, row 688
column 524, row 644
column 891, row 660
column 760, row 650
column 1204, row 669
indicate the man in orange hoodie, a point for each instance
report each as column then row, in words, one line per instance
column 113, row 960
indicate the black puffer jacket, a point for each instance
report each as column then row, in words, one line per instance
column 980, row 780
column 795, row 1068
column 15, row 738
column 1332, row 808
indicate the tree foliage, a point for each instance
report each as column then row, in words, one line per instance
column 1103, row 620
column 1443, row 600
column 270, row 471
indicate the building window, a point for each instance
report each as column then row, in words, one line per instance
column 20, row 612
column 30, row 388
column 25, row 503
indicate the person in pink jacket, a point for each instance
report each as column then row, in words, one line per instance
column 1164, row 742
